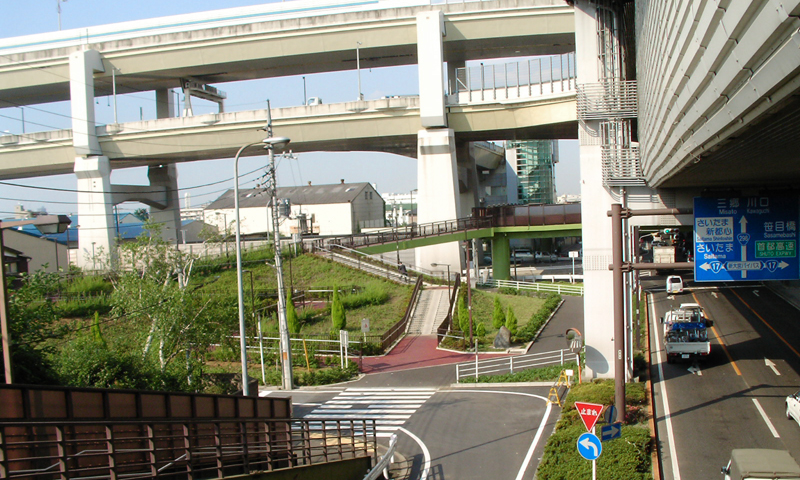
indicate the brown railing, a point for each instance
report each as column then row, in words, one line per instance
column 447, row 323
column 399, row 328
column 60, row 433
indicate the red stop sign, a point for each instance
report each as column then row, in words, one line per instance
column 589, row 413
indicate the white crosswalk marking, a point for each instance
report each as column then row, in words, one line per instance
column 389, row 407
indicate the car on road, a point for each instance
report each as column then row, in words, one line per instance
column 793, row 407
column 545, row 257
column 674, row 284
column 521, row 256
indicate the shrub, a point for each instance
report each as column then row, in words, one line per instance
column 338, row 316
column 463, row 315
column 498, row 318
column 293, row 323
column 627, row 457
column 372, row 295
column 88, row 285
column 480, row 329
column 83, row 307
column 511, row 322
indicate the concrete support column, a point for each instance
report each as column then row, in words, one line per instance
column 598, row 305
column 95, row 213
column 169, row 217
column 437, row 197
column 430, row 52
column 501, row 257
column 165, row 103
column 82, row 66
column 467, row 179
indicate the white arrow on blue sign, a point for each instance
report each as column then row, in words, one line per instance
column 589, row 446
column 610, row 432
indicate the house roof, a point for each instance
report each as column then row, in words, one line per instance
column 305, row 195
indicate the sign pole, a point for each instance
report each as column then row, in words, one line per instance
column 594, row 463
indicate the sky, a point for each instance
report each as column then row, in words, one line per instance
column 205, row 181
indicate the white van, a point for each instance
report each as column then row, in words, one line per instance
column 314, row 101
column 674, row 284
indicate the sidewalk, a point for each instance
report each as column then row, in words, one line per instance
column 416, row 351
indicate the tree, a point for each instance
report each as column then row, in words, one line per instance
column 498, row 318
column 338, row 317
column 142, row 214
column 480, row 329
column 292, row 320
column 153, row 296
column 32, row 321
column 463, row 315
column 511, row 322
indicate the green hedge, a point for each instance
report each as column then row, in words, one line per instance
column 526, row 333
column 624, row 458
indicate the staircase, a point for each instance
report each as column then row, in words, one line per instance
column 430, row 312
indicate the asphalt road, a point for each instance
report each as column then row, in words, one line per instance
column 444, row 432
column 736, row 398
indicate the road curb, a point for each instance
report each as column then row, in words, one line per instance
column 501, row 385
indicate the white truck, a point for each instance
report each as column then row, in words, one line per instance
column 686, row 333
column 761, row 464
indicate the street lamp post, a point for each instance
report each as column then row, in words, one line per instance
column 45, row 224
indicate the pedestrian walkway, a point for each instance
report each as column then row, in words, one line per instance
column 389, row 407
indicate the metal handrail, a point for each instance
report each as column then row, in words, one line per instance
column 535, row 286
column 186, row 448
column 510, row 364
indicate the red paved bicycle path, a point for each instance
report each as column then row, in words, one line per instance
column 415, row 352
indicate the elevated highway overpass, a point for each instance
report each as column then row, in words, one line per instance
column 281, row 39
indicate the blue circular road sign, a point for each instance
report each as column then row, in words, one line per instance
column 589, row 446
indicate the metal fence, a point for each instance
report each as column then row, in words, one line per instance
column 184, row 448
column 82, row 433
column 447, row 323
column 536, row 286
column 540, row 76
column 515, row 363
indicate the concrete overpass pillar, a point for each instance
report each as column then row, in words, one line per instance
column 501, row 257
column 596, row 201
column 169, row 217
column 95, row 213
column 95, row 203
column 437, row 183
column 82, row 67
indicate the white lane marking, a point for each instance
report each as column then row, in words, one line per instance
column 351, row 416
column 755, row 292
column 771, row 365
column 307, row 404
column 426, row 465
column 382, row 402
column 676, row 474
column 398, row 405
column 766, row 419
column 368, row 411
column 536, row 438
column 714, row 294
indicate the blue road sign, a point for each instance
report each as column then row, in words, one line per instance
column 746, row 238
column 610, row 432
column 589, row 446
column 610, row 414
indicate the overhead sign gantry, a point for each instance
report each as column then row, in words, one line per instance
column 741, row 238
